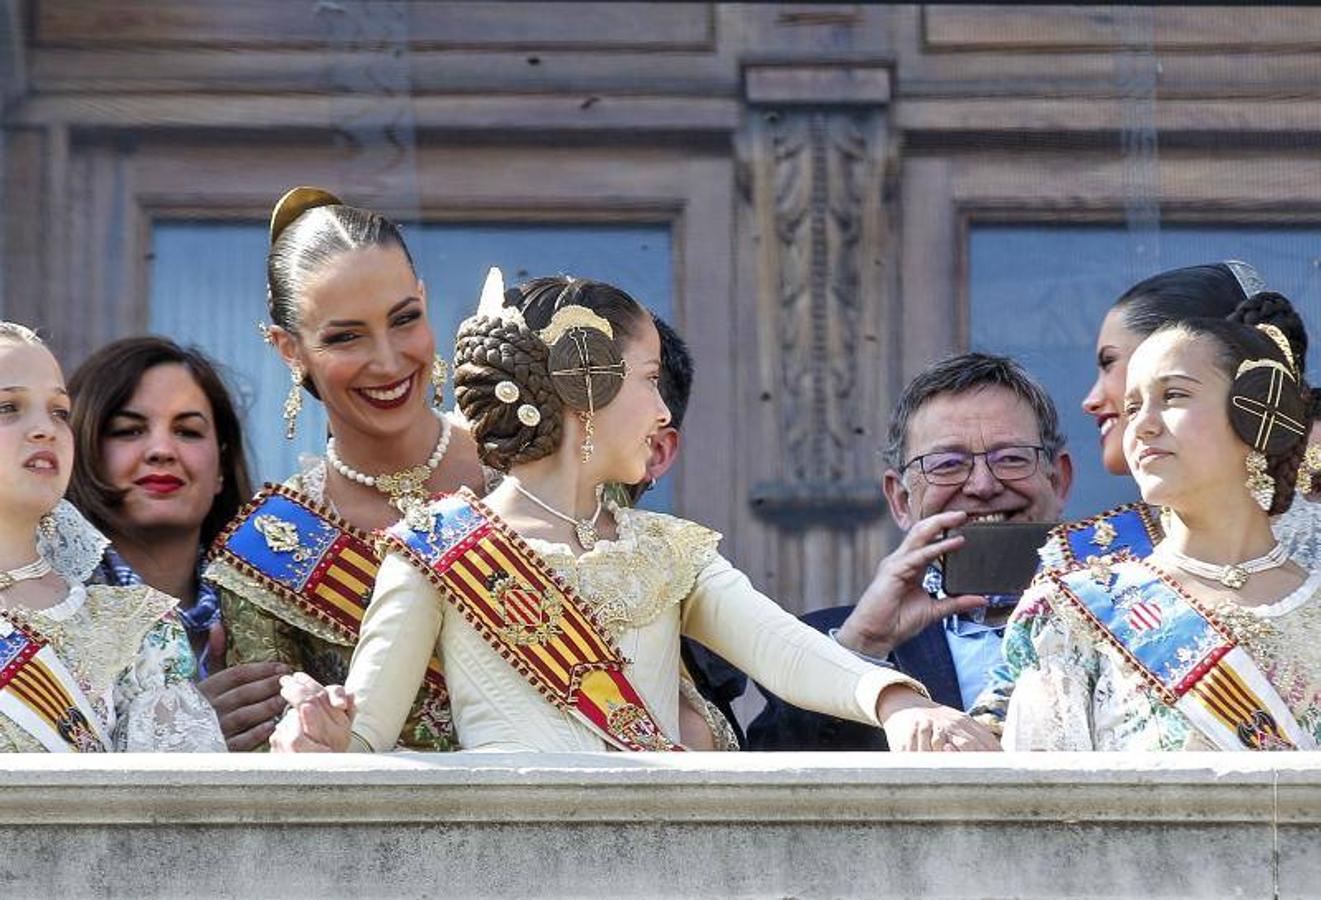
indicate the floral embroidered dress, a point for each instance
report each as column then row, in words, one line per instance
column 131, row 659
column 1075, row 691
column 660, row 578
column 262, row 626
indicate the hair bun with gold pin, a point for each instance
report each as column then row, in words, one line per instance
column 296, row 202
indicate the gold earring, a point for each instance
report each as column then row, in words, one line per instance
column 588, row 446
column 1260, row 484
column 46, row 525
column 1309, row 468
column 439, row 372
column 293, row 403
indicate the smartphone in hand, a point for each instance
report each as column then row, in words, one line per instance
column 996, row 558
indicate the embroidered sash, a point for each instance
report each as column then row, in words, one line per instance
column 319, row 564
column 531, row 617
column 1184, row 654
column 1130, row 527
column 39, row 695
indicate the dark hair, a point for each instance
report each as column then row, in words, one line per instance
column 317, row 236
column 676, row 372
column 489, row 350
column 1237, row 339
column 962, row 374
column 1209, row 291
column 102, row 386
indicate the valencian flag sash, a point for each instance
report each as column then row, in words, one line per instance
column 312, row 559
column 39, row 695
column 1183, row 653
column 531, row 617
column 1130, row 527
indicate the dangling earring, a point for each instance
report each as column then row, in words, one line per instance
column 588, row 446
column 1309, row 469
column 439, row 372
column 1260, row 484
column 46, row 526
column 293, row 403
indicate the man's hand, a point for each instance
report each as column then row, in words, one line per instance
column 247, row 700
column 894, row 607
column 912, row 722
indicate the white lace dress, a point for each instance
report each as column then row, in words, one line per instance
column 130, row 656
column 661, row 578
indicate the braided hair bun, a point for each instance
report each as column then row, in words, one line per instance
column 1284, row 456
column 490, row 350
column 1271, row 308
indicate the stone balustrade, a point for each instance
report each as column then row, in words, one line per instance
column 738, row 825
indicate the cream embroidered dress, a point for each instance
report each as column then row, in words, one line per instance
column 1075, row 692
column 131, row 658
column 661, row 578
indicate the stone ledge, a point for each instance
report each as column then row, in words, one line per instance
column 611, row 825
column 792, row 787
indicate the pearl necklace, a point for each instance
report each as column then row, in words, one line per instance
column 583, row 529
column 406, row 490
column 1233, row 575
column 30, row 572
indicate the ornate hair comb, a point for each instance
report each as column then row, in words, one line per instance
column 296, row 202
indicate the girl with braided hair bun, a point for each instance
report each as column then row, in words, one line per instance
column 1207, row 641
column 558, row 615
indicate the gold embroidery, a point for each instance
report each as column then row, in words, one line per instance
column 531, row 616
column 1104, row 535
column 281, row 536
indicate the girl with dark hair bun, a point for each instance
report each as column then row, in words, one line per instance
column 348, row 316
column 1206, row 642
column 559, row 614
column 1230, row 291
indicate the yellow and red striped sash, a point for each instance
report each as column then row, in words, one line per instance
column 316, row 562
column 531, row 617
column 38, row 694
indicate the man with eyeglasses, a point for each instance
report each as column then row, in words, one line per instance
column 974, row 438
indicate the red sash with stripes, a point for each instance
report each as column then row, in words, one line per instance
column 531, row 617
column 320, row 565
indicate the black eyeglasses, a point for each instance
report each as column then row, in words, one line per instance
column 950, row 467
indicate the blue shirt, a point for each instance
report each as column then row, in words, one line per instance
column 974, row 645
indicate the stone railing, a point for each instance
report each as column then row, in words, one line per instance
column 739, row 825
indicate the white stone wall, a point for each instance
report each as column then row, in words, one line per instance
column 709, row 825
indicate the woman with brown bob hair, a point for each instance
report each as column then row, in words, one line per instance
column 159, row 467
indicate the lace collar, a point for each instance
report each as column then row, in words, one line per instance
column 73, row 546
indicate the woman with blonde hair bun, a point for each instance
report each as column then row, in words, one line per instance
column 82, row 669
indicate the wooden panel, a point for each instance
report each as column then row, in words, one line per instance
column 489, row 113
column 1003, row 27
column 430, row 24
column 998, row 114
column 817, row 85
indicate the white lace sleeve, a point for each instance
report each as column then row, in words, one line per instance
column 73, row 547
column 157, row 706
column 1299, row 529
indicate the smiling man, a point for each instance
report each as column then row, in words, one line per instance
column 974, row 438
